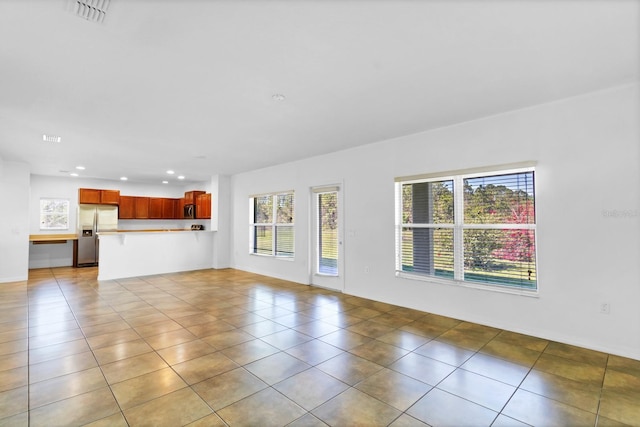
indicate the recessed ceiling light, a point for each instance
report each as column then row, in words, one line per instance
column 123, row 178
column 80, row 168
column 165, row 182
column 73, row 174
column 278, row 97
column 181, row 177
column 170, row 172
column 51, row 138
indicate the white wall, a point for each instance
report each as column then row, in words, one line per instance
column 14, row 224
column 43, row 256
column 221, row 220
column 588, row 164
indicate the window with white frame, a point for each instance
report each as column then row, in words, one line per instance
column 271, row 217
column 477, row 228
column 54, row 214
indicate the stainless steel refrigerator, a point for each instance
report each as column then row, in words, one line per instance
column 93, row 219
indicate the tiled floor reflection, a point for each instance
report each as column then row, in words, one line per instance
column 225, row 347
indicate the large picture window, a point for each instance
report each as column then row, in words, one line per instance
column 272, row 231
column 476, row 228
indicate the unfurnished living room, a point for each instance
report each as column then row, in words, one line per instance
column 319, row 213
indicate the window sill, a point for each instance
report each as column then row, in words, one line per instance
column 490, row 288
column 283, row 258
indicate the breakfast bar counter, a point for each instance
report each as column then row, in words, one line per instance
column 129, row 253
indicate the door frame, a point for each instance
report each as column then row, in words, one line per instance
column 335, row 283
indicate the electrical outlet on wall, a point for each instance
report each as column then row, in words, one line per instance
column 605, row 308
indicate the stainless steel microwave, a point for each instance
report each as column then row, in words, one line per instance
column 189, row 211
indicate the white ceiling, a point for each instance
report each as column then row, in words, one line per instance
column 188, row 84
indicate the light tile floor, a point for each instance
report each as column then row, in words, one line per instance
column 218, row 347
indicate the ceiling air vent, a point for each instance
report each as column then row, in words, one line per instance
column 92, row 10
column 51, row 138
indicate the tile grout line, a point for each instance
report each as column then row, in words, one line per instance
column 238, row 325
column 520, row 385
column 98, row 365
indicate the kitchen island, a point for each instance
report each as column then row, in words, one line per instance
column 148, row 252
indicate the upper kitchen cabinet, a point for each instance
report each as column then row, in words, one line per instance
column 110, row 197
column 203, row 206
column 169, row 208
column 127, row 209
column 191, row 197
column 180, row 212
column 88, row 195
column 133, row 207
column 142, row 207
column 155, row 208
column 163, row 208
column 101, row 197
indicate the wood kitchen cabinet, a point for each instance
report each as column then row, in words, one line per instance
column 137, row 207
column 142, row 207
column 109, row 197
column 169, row 208
column 180, row 208
column 203, row 206
column 133, row 207
column 191, row 197
column 127, row 207
column 155, row 208
column 88, row 195
column 163, row 208
column 96, row 196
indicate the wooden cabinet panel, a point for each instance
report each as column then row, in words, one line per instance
column 203, row 206
column 207, row 203
column 155, row 208
column 127, row 209
column 95, row 196
column 177, row 210
column 142, row 207
column 169, row 208
column 109, row 197
column 191, row 197
column 137, row 207
column 180, row 208
column 89, row 195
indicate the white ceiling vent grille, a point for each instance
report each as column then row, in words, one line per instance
column 51, row 138
column 92, row 10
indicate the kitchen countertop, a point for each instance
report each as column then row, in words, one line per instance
column 52, row 237
column 62, row 238
column 151, row 230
